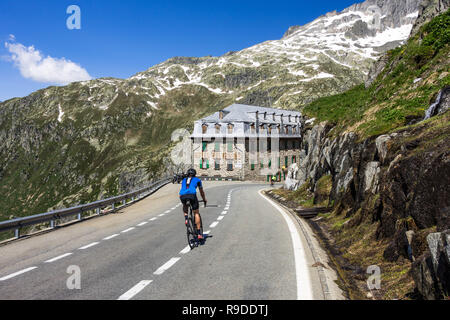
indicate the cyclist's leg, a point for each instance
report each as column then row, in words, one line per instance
column 197, row 219
column 185, row 208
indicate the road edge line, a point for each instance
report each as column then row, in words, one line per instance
column 302, row 278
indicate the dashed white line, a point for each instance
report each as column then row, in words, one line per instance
column 173, row 208
column 214, row 224
column 110, row 237
column 167, row 211
column 135, row 290
column 129, row 229
column 224, row 212
column 89, row 245
column 152, row 219
column 17, row 273
column 161, row 215
column 207, row 232
column 226, row 208
column 220, row 217
column 58, row 257
column 166, row 265
column 185, row 250
column 142, row 223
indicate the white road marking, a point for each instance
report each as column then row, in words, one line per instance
column 226, row 208
column 17, row 273
column 161, row 215
column 58, row 257
column 185, row 250
column 153, row 219
column 89, row 245
column 220, row 217
column 224, row 212
column 110, row 237
column 167, row 211
column 173, row 208
column 166, row 265
column 214, row 224
column 129, row 229
column 142, row 223
column 304, row 290
column 135, row 290
column 207, row 232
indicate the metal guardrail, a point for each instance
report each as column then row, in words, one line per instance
column 52, row 216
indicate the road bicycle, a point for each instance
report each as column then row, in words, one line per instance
column 191, row 227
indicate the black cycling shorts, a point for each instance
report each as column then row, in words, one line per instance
column 193, row 199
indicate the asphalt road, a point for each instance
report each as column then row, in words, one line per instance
column 252, row 251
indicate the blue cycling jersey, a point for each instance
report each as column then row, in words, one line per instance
column 192, row 189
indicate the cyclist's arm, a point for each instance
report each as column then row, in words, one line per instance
column 202, row 193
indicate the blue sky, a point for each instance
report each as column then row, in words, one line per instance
column 121, row 38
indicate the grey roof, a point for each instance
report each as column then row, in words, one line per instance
column 242, row 112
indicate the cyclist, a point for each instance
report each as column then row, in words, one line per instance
column 188, row 191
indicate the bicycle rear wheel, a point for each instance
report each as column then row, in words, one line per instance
column 191, row 233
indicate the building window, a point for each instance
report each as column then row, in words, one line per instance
column 294, row 159
column 286, row 130
column 273, row 118
column 270, row 163
column 230, row 146
column 217, row 147
column 230, row 128
column 202, row 164
column 217, row 128
column 217, row 165
column 252, row 128
column 204, row 128
column 262, row 165
column 230, row 166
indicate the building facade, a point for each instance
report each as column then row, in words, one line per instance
column 247, row 143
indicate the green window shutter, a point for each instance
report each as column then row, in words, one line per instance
column 286, row 161
column 217, row 147
column 230, row 146
column 201, row 164
column 270, row 163
column 207, row 164
column 252, row 166
column 203, row 146
column 279, row 162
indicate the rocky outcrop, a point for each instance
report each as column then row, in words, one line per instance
column 431, row 271
column 398, row 181
column 441, row 104
column 428, row 9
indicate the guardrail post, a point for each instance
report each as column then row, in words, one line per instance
column 113, row 206
column 97, row 211
column 124, row 202
column 17, row 233
column 79, row 216
column 52, row 224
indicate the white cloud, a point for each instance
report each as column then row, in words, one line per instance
column 33, row 65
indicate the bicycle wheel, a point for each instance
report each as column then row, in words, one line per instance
column 191, row 234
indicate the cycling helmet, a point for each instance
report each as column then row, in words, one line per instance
column 191, row 172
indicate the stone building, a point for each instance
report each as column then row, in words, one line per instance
column 247, row 142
